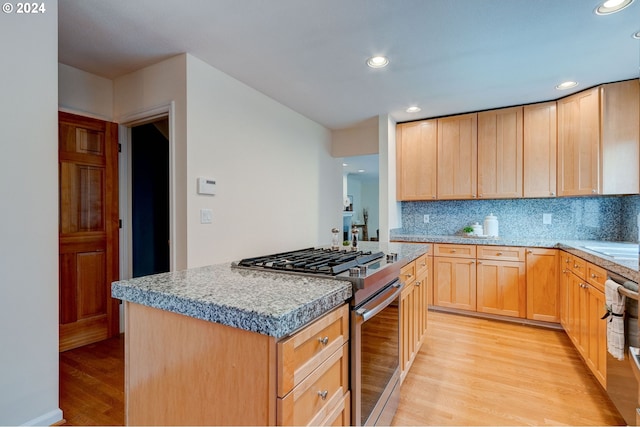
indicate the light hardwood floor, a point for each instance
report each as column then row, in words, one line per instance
column 473, row 371
column 469, row 372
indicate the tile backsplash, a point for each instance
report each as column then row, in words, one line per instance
column 613, row 218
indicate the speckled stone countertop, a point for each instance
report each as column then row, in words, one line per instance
column 268, row 303
column 625, row 268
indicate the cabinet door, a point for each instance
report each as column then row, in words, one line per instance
column 597, row 335
column 620, row 137
column 454, row 283
column 540, row 145
column 542, row 285
column 416, row 158
column 579, row 143
column 565, row 276
column 501, row 288
column 407, row 328
column 457, row 157
column 500, row 153
column 421, row 305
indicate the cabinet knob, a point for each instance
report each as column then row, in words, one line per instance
column 593, row 275
column 473, row 196
column 552, row 194
column 479, row 195
column 594, row 191
column 499, row 253
column 529, row 251
column 479, row 262
column 433, row 197
column 453, row 251
column 576, row 266
column 323, row 394
column 324, row 340
column 418, row 283
column 473, row 262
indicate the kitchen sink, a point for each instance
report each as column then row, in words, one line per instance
column 621, row 251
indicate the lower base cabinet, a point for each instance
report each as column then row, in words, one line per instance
column 175, row 363
column 414, row 302
column 454, row 283
column 542, row 285
column 501, row 288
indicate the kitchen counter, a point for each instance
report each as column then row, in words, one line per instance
column 268, row 303
column 624, row 267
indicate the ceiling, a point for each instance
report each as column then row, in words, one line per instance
column 446, row 56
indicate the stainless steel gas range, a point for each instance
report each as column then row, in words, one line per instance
column 374, row 322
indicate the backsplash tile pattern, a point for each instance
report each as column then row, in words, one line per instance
column 612, row 218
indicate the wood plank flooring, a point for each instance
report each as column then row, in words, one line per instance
column 473, row 371
column 470, row 371
column 92, row 383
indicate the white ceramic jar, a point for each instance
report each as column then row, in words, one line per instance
column 491, row 225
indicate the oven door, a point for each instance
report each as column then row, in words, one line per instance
column 375, row 356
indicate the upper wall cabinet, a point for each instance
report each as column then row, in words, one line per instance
column 540, row 144
column 598, row 141
column 500, row 153
column 416, row 145
column 457, row 157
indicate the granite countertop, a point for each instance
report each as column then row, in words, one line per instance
column 625, row 268
column 268, row 303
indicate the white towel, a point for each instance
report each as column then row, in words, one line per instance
column 615, row 319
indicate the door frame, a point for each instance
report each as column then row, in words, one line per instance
column 126, row 122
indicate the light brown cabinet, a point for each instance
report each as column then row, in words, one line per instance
column 542, row 285
column 598, row 141
column 584, row 310
column 457, row 157
column 539, row 150
column 454, row 276
column 501, row 285
column 299, row 380
column 413, row 311
column 416, row 158
column 500, row 151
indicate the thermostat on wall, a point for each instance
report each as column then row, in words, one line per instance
column 206, row 186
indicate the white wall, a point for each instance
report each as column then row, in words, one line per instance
column 359, row 140
column 84, row 93
column 278, row 188
column 390, row 215
column 29, row 218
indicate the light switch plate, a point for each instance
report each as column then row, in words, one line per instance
column 206, row 216
column 546, row 218
column 426, row 219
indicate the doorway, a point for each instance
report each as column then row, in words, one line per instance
column 149, row 186
column 361, row 196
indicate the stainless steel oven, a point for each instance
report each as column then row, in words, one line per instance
column 375, row 355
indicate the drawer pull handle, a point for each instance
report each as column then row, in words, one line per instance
column 594, row 275
column 499, row 253
column 453, row 251
column 324, row 341
column 323, row 394
column 529, row 251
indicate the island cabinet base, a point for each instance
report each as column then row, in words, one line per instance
column 184, row 371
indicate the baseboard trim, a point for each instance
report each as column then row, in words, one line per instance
column 50, row 418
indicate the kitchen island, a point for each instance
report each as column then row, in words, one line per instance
column 208, row 345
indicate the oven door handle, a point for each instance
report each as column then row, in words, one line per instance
column 367, row 313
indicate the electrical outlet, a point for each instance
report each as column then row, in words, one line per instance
column 426, row 219
column 546, row 218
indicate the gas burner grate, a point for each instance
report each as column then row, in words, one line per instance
column 312, row 260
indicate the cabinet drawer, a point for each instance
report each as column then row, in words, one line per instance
column 501, row 253
column 303, row 352
column 596, row 276
column 579, row 267
column 318, row 394
column 457, row 251
column 421, row 265
column 335, row 415
column 408, row 273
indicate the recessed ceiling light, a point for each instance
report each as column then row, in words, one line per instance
column 636, row 35
column 378, row 61
column 345, row 164
column 566, row 85
column 611, row 6
column 360, row 170
column 413, row 109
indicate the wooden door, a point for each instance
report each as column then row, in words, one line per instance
column 407, row 327
column 458, row 157
column 542, row 285
column 579, row 143
column 501, row 288
column 88, row 230
column 454, row 283
column 416, row 145
column 500, row 153
column 539, row 154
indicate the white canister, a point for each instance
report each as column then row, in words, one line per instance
column 477, row 229
column 491, row 225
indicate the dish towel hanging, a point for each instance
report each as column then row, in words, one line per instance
column 615, row 319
